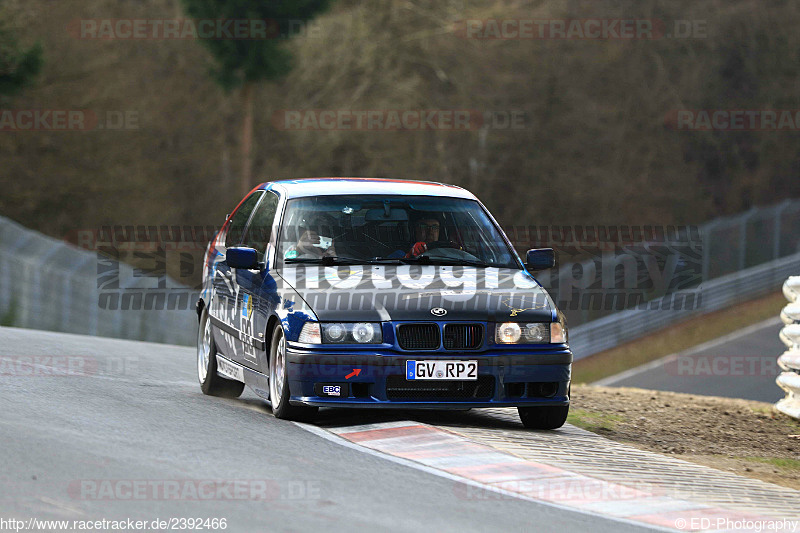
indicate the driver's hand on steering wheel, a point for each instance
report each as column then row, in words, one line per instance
column 418, row 249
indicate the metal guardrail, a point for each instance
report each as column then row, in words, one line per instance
column 628, row 325
column 789, row 379
column 48, row 284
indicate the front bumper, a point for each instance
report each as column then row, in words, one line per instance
column 510, row 378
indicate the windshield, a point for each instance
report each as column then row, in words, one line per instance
column 403, row 229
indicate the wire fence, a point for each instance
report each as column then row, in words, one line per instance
column 621, row 273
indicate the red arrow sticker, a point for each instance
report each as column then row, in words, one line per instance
column 355, row 372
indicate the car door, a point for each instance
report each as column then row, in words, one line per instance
column 226, row 289
column 254, row 308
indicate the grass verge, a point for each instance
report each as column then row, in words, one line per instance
column 594, row 421
column 786, row 464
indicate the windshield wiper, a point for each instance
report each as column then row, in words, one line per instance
column 424, row 260
column 337, row 260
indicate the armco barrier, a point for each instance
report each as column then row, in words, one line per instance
column 48, row 284
column 789, row 379
column 624, row 326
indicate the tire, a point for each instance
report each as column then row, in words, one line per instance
column 212, row 383
column 279, row 382
column 544, row 417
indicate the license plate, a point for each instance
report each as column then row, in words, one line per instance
column 442, row 370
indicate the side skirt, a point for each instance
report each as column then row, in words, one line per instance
column 253, row 379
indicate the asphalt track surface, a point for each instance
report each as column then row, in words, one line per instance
column 129, row 414
column 739, row 365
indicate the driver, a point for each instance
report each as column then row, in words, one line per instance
column 426, row 232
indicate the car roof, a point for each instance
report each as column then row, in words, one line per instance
column 298, row 188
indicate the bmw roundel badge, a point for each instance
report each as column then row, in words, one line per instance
column 438, row 311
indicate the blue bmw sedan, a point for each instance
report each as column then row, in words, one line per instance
column 378, row 293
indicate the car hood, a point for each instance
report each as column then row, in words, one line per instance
column 420, row 293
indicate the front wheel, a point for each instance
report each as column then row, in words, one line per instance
column 279, row 382
column 212, row 383
column 544, row 417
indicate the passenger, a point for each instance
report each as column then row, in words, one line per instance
column 311, row 244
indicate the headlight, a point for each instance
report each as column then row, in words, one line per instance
column 508, row 333
column 530, row 333
column 341, row 333
column 537, row 333
column 334, row 332
column 364, row 332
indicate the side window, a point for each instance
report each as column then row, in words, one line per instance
column 240, row 218
column 259, row 231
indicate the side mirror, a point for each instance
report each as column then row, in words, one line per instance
column 540, row 259
column 242, row 257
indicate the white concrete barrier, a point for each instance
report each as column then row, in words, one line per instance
column 791, row 288
column 791, row 314
column 789, row 382
column 790, row 336
column 789, row 361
